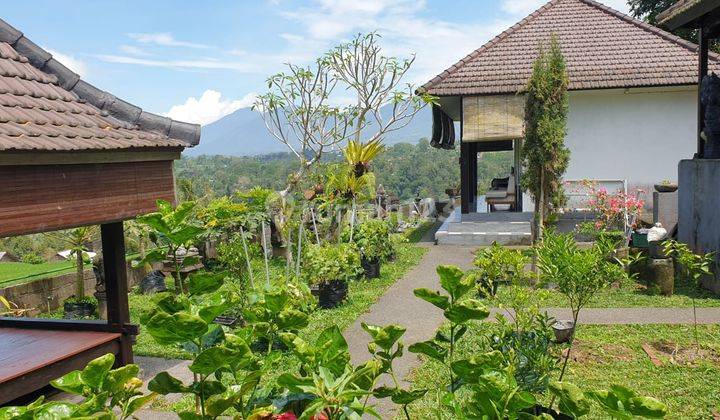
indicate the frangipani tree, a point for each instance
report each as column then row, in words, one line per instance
column 302, row 111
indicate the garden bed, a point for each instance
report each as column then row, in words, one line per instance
column 609, row 355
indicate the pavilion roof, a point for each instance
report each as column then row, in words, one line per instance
column 44, row 106
column 603, row 49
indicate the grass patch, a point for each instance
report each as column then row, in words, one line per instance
column 612, row 354
column 415, row 235
column 628, row 295
column 13, row 273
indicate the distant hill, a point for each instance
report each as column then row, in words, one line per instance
column 243, row 133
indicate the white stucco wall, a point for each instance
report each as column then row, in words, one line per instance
column 638, row 135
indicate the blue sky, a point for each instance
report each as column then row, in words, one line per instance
column 199, row 60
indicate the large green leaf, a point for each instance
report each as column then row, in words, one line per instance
column 647, row 407
column 137, row 402
column 435, row 298
column 170, row 302
column 155, row 255
column 385, row 337
column 185, row 234
column 164, row 383
column 95, row 371
column 176, row 328
column 276, row 301
column 430, row 349
column 205, row 282
column 292, row 319
column 117, row 378
column 55, row 410
column 403, row 397
column 466, row 310
column 332, row 350
column 212, row 309
column 156, row 222
column 210, row 360
column 182, row 211
column 453, row 280
column 470, row 370
column 571, row 399
column 217, row 404
column 71, row 383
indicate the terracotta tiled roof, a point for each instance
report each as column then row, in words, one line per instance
column 603, row 48
column 45, row 106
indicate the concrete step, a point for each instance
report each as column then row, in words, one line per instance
column 483, row 238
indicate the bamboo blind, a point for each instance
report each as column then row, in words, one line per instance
column 496, row 117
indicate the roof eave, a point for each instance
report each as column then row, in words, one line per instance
column 187, row 133
column 678, row 16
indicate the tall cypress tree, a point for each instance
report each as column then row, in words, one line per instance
column 545, row 157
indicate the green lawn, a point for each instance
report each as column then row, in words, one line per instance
column 12, row 273
column 630, row 294
column 609, row 355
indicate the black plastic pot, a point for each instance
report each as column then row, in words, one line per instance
column 331, row 294
column 539, row 409
column 79, row 310
column 152, row 283
column 371, row 267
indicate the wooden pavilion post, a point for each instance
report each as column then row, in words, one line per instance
column 703, row 47
column 465, row 157
column 118, row 310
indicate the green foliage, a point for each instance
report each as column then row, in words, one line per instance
column 373, row 239
column 545, row 156
column 106, row 392
column 405, row 170
column 618, row 402
column 273, row 313
column 499, row 264
column 172, row 229
column 578, row 273
column 32, row 258
column 457, row 309
column 329, row 262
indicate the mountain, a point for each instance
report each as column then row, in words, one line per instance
column 243, row 133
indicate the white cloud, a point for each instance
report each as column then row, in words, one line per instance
column 205, row 63
column 525, row 7
column 210, row 107
column 74, row 64
column 164, row 39
column 133, row 50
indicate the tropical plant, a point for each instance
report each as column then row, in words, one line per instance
column 499, row 264
column 358, row 154
column 272, row 313
column 298, row 109
column 77, row 241
column 694, row 267
column 618, row 402
column 458, row 309
column 577, row 273
column 173, row 233
column 545, row 156
column 373, row 239
column 107, row 393
column 330, row 262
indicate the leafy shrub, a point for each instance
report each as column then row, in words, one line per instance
column 499, row 264
column 32, row 258
column 373, row 239
column 328, row 262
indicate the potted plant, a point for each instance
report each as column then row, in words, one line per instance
column 329, row 268
column 666, row 186
column 373, row 239
column 77, row 240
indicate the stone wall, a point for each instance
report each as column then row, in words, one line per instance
column 48, row 294
column 698, row 215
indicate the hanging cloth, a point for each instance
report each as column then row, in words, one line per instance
column 436, row 139
column 443, row 129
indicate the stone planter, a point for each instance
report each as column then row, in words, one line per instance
column 661, row 276
column 564, row 330
column 666, row 188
